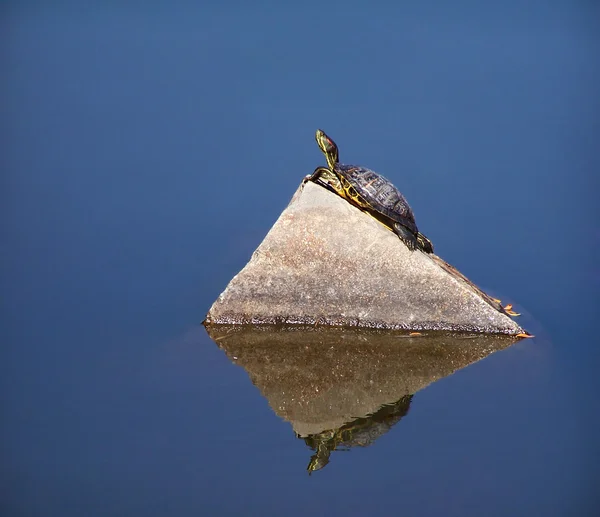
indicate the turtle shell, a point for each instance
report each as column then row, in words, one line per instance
column 372, row 191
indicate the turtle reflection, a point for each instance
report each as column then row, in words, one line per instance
column 361, row 432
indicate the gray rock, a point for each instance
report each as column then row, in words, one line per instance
column 326, row 262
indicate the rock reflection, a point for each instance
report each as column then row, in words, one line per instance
column 342, row 388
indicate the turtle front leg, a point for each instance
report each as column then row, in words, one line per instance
column 406, row 236
column 315, row 175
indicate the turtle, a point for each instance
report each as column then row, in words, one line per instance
column 370, row 192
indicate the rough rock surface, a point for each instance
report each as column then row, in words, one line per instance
column 327, row 262
column 320, row 379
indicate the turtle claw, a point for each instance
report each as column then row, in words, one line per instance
column 493, row 299
column 509, row 311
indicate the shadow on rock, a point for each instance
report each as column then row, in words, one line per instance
column 343, row 388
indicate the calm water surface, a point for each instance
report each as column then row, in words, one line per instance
column 146, row 153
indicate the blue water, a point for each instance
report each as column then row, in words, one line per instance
column 145, row 154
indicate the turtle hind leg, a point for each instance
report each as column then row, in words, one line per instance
column 424, row 243
column 406, row 236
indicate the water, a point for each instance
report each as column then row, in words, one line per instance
column 146, row 153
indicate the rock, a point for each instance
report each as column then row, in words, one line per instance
column 327, row 262
column 345, row 387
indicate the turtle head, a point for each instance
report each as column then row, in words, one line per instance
column 328, row 147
